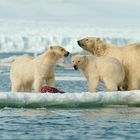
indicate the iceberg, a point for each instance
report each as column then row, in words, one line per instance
column 70, row 100
column 36, row 37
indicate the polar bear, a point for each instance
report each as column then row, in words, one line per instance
column 27, row 70
column 104, row 69
column 128, row 55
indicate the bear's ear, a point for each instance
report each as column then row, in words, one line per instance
column 51, row 47
column 98, row 49
column 98, row 39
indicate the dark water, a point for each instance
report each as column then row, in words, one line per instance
column 97, row 123
column 118, row 122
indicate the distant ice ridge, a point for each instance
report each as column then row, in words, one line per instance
column 36, row 37
column 69, row 100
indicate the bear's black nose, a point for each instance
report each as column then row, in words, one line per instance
column 66, row 54
column 78, row 42
column 75, row 67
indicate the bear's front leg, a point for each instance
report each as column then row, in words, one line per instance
column 28, row 87
column 92, row 84
column 38, row 84
column 133, row 81
column 50, row 81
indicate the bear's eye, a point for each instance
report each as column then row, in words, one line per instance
column 62, row 49
column 79, row 61
column 86, row 39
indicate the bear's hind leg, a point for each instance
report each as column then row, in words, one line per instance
column 16, row 86
column 110, row 85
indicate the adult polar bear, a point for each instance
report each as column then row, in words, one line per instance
column 104, row 69
column 128, row 55
column 25, row 70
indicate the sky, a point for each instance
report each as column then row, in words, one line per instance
column 98, row 12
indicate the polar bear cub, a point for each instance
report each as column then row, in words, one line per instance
column 104, row 69
column 27, row 70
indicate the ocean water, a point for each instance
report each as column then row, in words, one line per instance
column 113, row 122
column 98, row 123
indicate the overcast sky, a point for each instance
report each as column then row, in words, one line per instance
column 100, row 12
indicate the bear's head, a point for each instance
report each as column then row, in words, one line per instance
column 78, row 61
column 58, row 51
column 93, row 45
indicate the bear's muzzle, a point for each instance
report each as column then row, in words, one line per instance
column 80, row 43
column 75, row 67
column 66, row 54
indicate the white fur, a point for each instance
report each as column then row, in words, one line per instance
column 103, row 69
column 27, row 70
column 129, row 56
